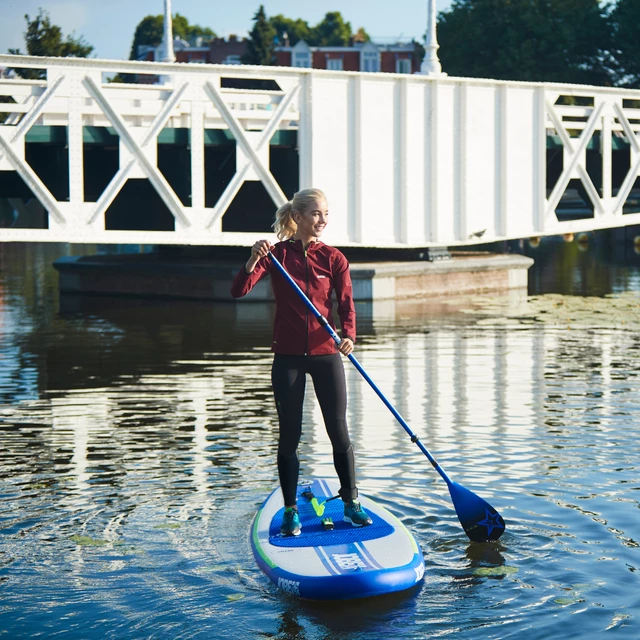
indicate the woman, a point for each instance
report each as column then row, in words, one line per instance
column 302, row 346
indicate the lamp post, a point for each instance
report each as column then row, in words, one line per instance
column 168, row 55
column 431, row 64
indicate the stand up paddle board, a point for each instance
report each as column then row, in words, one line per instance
column 331, row 559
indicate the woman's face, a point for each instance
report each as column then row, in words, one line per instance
column 313, row 221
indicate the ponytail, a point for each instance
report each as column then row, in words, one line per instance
column 285, row 226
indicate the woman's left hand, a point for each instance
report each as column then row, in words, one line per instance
column 345, row 347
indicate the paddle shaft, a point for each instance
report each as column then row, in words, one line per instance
column 323, row 321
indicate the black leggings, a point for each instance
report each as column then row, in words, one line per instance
column 288, row 377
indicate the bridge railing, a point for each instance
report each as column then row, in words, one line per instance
column 406, row 161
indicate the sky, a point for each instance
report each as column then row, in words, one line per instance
column 109, row 25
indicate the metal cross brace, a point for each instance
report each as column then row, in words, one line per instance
column 574, row 153
column 630, row 178
column 156, row 178
column 30, row 177
column 251, row 153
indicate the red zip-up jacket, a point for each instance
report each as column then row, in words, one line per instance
column 318, row 271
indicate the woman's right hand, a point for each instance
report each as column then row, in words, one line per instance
column 260, row 249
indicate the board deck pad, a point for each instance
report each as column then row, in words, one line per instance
column 340, row 563
column 313, row 534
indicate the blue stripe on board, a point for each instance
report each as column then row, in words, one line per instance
column 328, row 565
column 365, row 553
column 345, row 559
column 326, row 492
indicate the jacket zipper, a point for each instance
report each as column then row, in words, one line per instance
column 306, row 267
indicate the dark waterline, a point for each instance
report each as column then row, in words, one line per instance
column 138, row 437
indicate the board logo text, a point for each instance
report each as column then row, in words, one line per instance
column 349, row 561
column 290, row 586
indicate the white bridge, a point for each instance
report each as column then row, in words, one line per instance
column 405, row 161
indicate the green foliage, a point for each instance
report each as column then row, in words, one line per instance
column 45, row 39
column 260, row 43
column 120, row 78
column 150, row 31
column 361, row 35
column 296, row 30
column 332, row 31
column 532, row 40
column 189, row 32
column 625, row 19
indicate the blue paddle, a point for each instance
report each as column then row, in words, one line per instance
column 480, row 521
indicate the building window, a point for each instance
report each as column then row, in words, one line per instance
column 232, row 59
column 370, row 61
column 301, row 59
column 334, row 64
column 403, row 65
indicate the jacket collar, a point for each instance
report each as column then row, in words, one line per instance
column 297, row 245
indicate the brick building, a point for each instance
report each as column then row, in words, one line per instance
column 229, row 51
column 361, row 56
column 215, row 51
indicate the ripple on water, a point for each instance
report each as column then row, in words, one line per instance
column 125, row 507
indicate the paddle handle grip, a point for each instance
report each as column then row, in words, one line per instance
column 323, row 321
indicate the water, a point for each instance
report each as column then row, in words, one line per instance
column 137, row 440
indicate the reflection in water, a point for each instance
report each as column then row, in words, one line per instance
column 138, row 438
column 605, row 262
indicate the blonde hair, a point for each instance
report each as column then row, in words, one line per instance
column 285, row 226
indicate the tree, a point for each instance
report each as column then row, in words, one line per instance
column 625, row 19
column 296, row 30
column 261, row 41
column 332, row 31
column 189, row 32
column 45, row 39
column 532, row 40
column 150, row 31
column 361, row 36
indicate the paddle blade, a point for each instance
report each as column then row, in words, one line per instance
column 480, row 521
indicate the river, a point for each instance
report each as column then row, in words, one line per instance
column 138, row 438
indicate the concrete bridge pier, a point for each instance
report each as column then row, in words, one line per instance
column 375, row 283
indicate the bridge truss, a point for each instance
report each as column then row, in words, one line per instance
column 406, row 161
